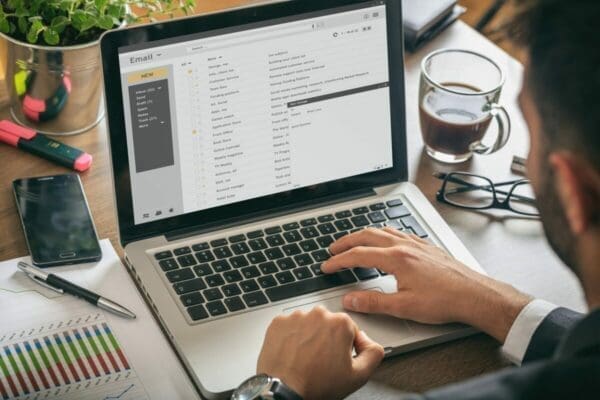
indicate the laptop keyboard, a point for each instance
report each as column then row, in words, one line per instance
column 244, row 271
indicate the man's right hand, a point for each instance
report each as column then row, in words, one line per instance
column 433, row 287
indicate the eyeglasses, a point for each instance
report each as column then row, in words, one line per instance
column 475, row 192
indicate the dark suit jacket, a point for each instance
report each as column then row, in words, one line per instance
column 562, row 361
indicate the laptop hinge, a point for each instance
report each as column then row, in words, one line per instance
column 273, row 213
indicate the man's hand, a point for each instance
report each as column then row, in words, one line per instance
column 312, row 354
column 433, row 287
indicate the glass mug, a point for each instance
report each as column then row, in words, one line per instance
column 458, row 98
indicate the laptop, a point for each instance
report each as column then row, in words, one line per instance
column 243, row 144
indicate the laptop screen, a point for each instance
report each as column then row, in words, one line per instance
column 229, row 115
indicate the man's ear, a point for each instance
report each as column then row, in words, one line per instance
column 578, row 187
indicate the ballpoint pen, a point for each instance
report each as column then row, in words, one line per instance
column 62, row 286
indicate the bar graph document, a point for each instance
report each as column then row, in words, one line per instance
column 58, row 347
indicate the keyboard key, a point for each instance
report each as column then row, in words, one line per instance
column 394, row 203
column 411, row 222
column 360, row 210
column 240, row 248
column 395, row 223
column 238, row 261
column 213, row 294
column 192, row 285
column 343, row 214
column 214, row 280
column 267, row 281
column 365, row 273
column 222, row 252
column 216, row 308
column 292, row 236
column 257, row 244
column 255, row 299
column 255, row 234
column 326, row 218
column 187, row 260
column 303, row 259
column 231, row 290
column 291, row 249
column 360, row 220
column 249, row 286
column 397, row 212
column 316, row 269
column 308, row 222
column 309, row 232
column 275, row 240
column 218, row 242
column 180, row 275
column 221, row 266
column 343, row 224
column 377, row 207
column 338, row 235
column 205, row 256
column 302, row 273
column 182, row 250
column 191, row 299
column 168, row 264
column 163, row 254
column 326, row 228
column 200, row 246
column 234, row 304
column 272, row 230
column 309, row 245
column 286, row 263
column 197, row 312
column 291, row 226
column 237, row 238
column 376, row 216
column 284, row 277
column 268, row 268
column 325, row 241
column 274, row 253
column 203, row 269
column 377, row 225
column 355, row 230
column 321, row 255
column 256, row 257
column 232, row 276
column 311, row 285
column 250, row 272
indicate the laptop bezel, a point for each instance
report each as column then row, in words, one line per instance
column 266, row 205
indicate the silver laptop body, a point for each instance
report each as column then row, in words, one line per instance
column 242, row 144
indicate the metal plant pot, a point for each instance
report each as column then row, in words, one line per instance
column 55, row 90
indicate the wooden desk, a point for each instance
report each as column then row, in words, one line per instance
column 509, row 248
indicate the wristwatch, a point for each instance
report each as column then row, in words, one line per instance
column 264, row 387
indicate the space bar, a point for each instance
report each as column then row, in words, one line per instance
column 310, row 285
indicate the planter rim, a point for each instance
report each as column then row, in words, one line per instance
column 50, row 48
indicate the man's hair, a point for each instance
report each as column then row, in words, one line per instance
column 562, row 39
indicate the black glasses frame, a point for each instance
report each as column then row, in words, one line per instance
column 492, row 187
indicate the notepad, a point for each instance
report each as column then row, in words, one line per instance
column 58, row 346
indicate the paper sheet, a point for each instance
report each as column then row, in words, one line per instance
column 58, row 346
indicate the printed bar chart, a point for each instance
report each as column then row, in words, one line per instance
column 41, row 360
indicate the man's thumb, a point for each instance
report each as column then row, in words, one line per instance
column 368, row 355
column 368, row 301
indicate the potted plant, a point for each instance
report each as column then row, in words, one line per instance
column 53, row 71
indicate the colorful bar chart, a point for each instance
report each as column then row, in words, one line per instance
column 68, row 355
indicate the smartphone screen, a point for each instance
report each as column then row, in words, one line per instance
column 56, row 220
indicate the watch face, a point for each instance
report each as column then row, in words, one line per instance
column 251, row 388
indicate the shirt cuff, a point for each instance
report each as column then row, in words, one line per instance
column 522, row 330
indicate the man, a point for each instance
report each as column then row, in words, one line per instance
column 560, row 349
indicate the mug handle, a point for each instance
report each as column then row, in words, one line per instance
column 504, row 127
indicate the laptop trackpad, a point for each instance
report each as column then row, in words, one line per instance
column 387, row 331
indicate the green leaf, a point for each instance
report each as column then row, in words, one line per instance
column 59, row 23
column 106, row 22
column 4, row 25
column 23, row 25
column 51, row 37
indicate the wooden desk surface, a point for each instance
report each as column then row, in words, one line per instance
column 510, row 249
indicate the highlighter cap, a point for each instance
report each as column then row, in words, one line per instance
column 83, row 162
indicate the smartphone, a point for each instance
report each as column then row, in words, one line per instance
column 56, row 220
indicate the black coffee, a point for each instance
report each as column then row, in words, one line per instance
column 451, row 123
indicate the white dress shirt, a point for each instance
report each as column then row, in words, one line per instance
column 522, row 330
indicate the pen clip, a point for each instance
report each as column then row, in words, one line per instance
column 44, row 284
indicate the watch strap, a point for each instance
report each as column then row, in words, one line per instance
column 282, row 392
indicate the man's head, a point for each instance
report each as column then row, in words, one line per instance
column 560, row 100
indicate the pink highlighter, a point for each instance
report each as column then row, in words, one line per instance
column 36, row 143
